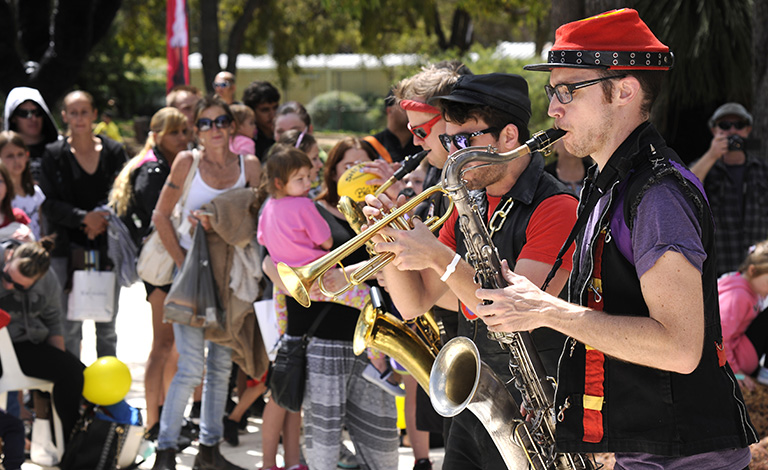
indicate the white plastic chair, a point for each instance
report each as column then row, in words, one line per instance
column 14, row 379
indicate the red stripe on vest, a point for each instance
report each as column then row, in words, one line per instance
column 594, row 377
column 594, row 361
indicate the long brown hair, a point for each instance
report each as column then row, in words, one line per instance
column 5, row 204
column 330, row 193
column 14, row 138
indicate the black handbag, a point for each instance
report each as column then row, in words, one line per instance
column 289, row 372
column 96, row 444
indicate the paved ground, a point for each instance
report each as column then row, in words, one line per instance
column 134, row 339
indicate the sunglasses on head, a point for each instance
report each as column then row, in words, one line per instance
column 28, row 113
column 462, row 139
column 221, row 84
column 7, row 278
column 422, row 131
column 726, row 125
column 205, row 124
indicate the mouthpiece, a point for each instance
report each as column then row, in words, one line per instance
column 409, row 164
column 544, row 139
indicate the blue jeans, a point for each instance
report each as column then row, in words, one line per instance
column 191, row 344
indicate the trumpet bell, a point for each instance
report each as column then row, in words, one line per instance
column 294, row 282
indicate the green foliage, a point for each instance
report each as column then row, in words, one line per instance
column 112, row 72
column 336, row 110
column 712, row 43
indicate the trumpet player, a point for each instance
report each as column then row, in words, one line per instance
column 529, row 212
column 643, row 372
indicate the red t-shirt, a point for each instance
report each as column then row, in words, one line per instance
column 18, row 216
column 547, row 229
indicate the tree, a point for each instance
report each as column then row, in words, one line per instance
column 45, row 47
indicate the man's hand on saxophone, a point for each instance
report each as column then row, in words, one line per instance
column 521, row 306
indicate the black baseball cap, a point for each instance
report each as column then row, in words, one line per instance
column 503, row 91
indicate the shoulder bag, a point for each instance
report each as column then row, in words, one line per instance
column 289, row 372
column 155, row 265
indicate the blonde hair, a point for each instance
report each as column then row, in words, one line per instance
column 431, row 81
column 166, row 120
column 757, row 257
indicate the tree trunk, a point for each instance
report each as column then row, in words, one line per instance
column 760, row 71
column 236, row 36
column 462, row 30
column 209, row 41
column 595, row 7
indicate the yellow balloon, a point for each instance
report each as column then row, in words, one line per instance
column 107, row 381
column 354, row 183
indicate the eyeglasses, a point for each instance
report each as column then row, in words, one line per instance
column 726, row 125
column 28, row 113
column 564, row 91
column 205, row 124
column 422, row 131
column 461, row 140
column 7, row 278
column 222, row 84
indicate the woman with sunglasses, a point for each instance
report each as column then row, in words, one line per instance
column 77, row 175
column 27, row 114
column 35, row 327
column 219, row 170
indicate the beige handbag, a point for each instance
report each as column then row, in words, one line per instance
column 155, row 265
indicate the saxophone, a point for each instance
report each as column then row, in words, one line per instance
column 522, row 443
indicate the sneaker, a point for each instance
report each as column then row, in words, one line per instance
column 762, row 376
column 371, row 374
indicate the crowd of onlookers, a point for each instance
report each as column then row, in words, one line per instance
column 206, row 156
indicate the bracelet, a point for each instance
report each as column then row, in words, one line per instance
column 451, row 267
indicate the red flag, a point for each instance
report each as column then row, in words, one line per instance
column 177, row 43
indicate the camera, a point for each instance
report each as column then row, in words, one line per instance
column 736, row 142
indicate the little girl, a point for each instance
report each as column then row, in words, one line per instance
column 9, row 214
column 745, row 327
column 26, row 197
column 245, row 128
column 307, row 144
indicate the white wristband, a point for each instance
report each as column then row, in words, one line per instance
column 451, row 268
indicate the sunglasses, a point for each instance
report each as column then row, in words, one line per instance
column 564, row 91
column 205, row 124
column 28, row 113
column 461, row 140
column 7, row 278
column 726, row 125
column 221, row 84
column 422, row 131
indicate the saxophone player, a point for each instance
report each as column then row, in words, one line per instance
column 530, row 210
column 643, row 372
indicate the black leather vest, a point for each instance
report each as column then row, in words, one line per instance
column 645, row 409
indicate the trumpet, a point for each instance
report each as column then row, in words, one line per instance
column 299, row 280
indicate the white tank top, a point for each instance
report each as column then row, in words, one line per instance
column 200, row 193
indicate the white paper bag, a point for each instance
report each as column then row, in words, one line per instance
column 270, row 333
column 92, row 296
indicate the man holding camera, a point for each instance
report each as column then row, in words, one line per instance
column 736, row 182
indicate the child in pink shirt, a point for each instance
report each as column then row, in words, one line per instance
column 241, row 143
column 745, row 331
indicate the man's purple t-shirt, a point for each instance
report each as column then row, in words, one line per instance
column 665, row 221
